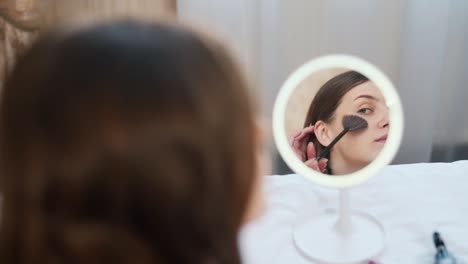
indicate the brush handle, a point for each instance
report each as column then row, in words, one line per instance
column 328, row 148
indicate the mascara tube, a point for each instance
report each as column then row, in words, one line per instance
column 442, row 256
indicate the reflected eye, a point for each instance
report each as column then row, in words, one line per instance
column 365, row 111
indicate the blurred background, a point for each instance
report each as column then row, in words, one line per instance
column 422, row 45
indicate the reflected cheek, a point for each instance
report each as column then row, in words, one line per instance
column 364, row 140
column 357, row 142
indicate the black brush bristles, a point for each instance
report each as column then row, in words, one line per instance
column 353, row 122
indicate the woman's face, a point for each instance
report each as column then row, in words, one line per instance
column 357, row 149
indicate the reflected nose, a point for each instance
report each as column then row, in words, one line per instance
column 384, row 118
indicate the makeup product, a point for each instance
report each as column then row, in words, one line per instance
column 350, row 123
column 370, row 262
column 442, row 255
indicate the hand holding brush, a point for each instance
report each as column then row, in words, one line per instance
column 305, row 150
column 350, row 123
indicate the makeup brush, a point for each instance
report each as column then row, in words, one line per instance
column 350, row 123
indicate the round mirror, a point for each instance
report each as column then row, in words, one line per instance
column 315, row 105
column 337, row 121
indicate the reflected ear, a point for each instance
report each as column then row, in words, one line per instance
column 323, row 133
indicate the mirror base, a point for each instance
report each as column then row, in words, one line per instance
column 319, row 238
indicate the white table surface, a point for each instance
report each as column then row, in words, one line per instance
column 411, row 201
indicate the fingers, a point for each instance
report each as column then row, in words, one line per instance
column 311, row 152
column 313, row 164
column 296, row 146
column 298, row 142
column 305, row 132
column 299, row 154
column 302, row 139
column 322, row 164
column 292, row 138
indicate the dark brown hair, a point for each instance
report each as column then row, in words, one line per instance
column 125, row 143
column 327, row 100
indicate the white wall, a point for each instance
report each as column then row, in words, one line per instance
column 419, row 44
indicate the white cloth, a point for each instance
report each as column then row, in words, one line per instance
column 411, row 201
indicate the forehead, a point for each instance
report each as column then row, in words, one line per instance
column 367, row 88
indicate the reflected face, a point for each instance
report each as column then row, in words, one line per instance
column 357, row 149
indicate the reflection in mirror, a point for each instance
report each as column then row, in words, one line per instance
column 315, row 120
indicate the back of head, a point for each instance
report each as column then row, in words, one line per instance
column 125, row 143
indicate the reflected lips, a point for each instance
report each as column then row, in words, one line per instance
column 382, row 139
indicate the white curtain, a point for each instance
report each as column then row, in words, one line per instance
column 235, row 22
column 450, row 128
column 422, row 45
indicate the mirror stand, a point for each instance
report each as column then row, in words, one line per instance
column 342, row 236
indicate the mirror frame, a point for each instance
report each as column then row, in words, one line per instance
column 393, row 103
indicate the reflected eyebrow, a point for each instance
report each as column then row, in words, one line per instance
column 366, row 96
